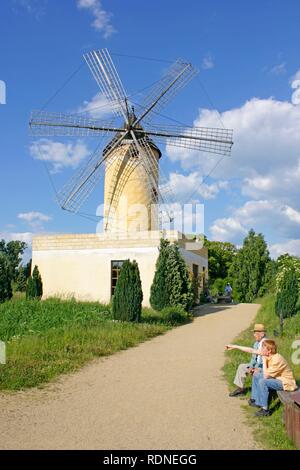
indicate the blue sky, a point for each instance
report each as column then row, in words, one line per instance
column 249, row 78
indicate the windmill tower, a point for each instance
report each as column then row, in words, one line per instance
column 127, row 162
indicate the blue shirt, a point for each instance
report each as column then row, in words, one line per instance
column 256, row 359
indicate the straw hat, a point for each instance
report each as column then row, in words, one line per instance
column 259, row 327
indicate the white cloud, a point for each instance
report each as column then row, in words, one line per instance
column 208, row 62
column 273, row 213
column 291, row 246
column 260, row 215
column 190, row 186
column 295, row 84
column 36, row 8
column 296, row 76
column 98, row 107
column 266, row 152
column 279, row 69
column 266, row 134
column 21, row 236
column 59, row 154
column 34, row 219
column 102, row 18
column 229, row 229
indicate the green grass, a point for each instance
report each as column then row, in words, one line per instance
column 46, row 339
column 270, row 431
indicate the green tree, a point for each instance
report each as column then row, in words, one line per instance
column 34, row 288
column 5, row 279
column 220, row 258
column 13, row 250
column 249, row 270
column 180, row 286
column 30, row 289
column 283, row 264
column 127, row 300
column 287, row 296
column 159, row 292
column 23, row 274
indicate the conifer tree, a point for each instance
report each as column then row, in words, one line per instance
column 159, row 293
column 287, row 296
column 5, row 279
column 30, row 289
column 171, row 284
column 177, row 276
column 250, row 268
column 34, row 285
column 128, row 296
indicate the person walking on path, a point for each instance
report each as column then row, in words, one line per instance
column 254, row 365
column 275, row 375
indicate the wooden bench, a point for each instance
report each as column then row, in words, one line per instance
column 291, row 414
column 226, row 299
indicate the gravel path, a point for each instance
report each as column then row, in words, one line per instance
column 167, row 393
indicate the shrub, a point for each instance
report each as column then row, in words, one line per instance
column 171, row 284
column 287, row 296
column 159, row 293
column 175, row 315
column 127, row 300
column 34, row 285
column 249, row 272
column 5, row 279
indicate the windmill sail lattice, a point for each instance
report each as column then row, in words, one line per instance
column 129, row 162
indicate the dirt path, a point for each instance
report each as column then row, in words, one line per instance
column 167, row 393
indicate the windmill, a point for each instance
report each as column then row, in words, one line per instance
column 129, row 155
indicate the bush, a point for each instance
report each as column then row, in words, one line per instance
column 287, row 296
column 171, row 284
column 159, row 293
column 127, row 300
column 175, row 315
column 5, row 280
column 218, row 287
column 34, row 288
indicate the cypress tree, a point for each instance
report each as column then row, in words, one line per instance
column 250, row 267
column 159, row 293
column 30, row 289
column 127, row 300
column 287, row 296
column 37, row 279
column 171, row 284
column 34, row 285
column 177, row 277
column 5, row 279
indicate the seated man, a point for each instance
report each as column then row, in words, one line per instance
column 276, row 375
column 255, row 364
column 228, row 289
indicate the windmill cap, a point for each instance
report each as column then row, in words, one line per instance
column 259, row 327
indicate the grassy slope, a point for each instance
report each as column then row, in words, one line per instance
column 269, row 431
column 45, row 339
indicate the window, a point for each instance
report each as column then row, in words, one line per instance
column 195, row 270
column 203, row 276
column 115, row 271
column 196, row 279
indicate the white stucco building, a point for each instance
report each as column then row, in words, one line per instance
column 86, row 266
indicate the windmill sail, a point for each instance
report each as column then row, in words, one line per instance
column 163, row 91
column 45, row 123
column 130, row 161
column 103, row 70
column 211, row 140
